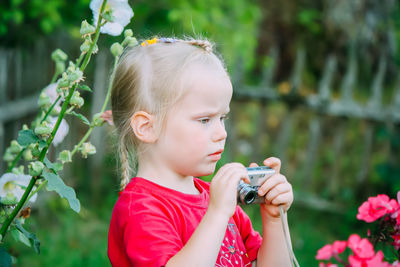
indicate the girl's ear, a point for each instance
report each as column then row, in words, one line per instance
column 143, row 125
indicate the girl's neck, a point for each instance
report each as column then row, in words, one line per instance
column 166, row 177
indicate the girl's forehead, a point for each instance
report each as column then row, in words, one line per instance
column 206, row 89
column 206, row 75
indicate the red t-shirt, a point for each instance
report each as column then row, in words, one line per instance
column 151, row 223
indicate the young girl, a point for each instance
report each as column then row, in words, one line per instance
column 169, row 102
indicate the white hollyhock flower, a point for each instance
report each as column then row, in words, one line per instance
column 61, row 132
column 51, row 91
column 121, row 11
column 14, row 184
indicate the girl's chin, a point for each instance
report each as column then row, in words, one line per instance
column 205, row 172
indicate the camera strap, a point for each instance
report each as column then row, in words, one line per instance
column 285, row 228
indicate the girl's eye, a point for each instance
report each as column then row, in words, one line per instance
column 224, row 118
column 204, row 120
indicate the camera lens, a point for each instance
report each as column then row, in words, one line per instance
column 250, row 197
column 246, row 193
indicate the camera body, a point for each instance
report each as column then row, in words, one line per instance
column 248, row 193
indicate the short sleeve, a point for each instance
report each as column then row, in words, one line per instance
column 149, row 236
column 251, row 238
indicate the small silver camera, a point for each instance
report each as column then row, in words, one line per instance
column 248, row 193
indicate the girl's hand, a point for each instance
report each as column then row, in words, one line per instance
column 276, row 190
column 223, row 188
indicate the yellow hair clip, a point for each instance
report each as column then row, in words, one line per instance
column 149, row 42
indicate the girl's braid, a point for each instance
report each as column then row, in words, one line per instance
column 206, row 45
column 125, row 167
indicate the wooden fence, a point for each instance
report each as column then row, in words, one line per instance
column 314, row 165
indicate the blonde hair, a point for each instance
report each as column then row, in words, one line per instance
column 148, row 78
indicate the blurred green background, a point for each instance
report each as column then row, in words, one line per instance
column 334, row 161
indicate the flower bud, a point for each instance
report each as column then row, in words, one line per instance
column 36, row 168
column 8, row 156
column 130, row 41
column 65, row 156
column 86, row 28
column 77, row 100
column 95, row 49
column 27, row 155
column 35, row 150
column 25, row 127
column 108, row 16
column 59, row 55
column 98, row 120
column 9, row 199
column 18, row 171
column 71, row 67
column 87, row 149
column 44, row 100
column 128, row 33
column 43, row 129
column 60, row 66
column 75, row 76
column 63, row 83
column 55, row 112
column 85, row 46
column 116, row 49
column 15, row 148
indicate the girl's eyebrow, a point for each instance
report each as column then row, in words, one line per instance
column 210, row 113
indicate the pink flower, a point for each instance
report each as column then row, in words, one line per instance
column 375, row 261
column 321, row 264
column 339, row 246
column 396, row 242
column 107, row 117
column 376, row 207
column 327, row 251
column 362, row 248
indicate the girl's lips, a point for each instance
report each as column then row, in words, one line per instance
column 216, row 156
column 219, row 152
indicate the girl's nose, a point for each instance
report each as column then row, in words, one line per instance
column 220, row 132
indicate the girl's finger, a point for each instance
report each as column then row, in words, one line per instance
column 274, row 163
column 237, row 173
column 222, row 172
column 285, row 199
column 253, row 164
column 270, row 183
column 278, row 190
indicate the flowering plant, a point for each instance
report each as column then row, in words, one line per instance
column 384, row 211
column 57, row 100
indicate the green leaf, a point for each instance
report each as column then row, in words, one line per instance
column 55, row 183
column 81, row 117
column 27, row 137
column 18, row 236
column 56, row 167
column 85, row 88
column 42, row 144
column 5, row 258
column 35, row 243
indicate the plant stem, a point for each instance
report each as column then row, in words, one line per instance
column 84, row 138
column 64, row 107
column 103, row 108
column 15, row 212
column 15, row 160
column 110, row 84
column 96, row 37
column 50, row 109
column 79, row 60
